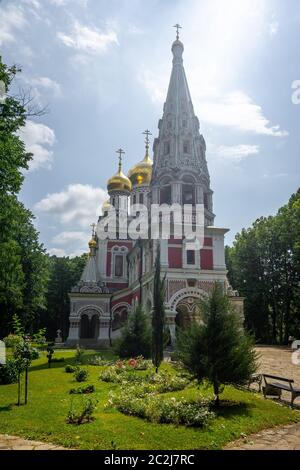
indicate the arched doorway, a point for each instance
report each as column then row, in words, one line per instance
column 183, row 317
column 84, row 327
column 89, row 325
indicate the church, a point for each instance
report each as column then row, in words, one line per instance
column 119, row 272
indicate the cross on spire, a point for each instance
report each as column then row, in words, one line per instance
column 147, row 140
column 121, row 153
column 93, row 229
column 178, row 27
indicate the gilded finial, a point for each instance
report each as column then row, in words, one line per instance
column 178, row 27
column 147, row 141
column 120, row 152
column 93, row 229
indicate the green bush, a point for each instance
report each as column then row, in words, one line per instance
column 70, row 369
column 8, row 372
column 12, row 341
column 135, row 339
column 79, row 355
column 82, row 414
column 82, row 390
column 81, row 374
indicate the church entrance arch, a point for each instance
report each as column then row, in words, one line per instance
column 185, row 306
column 89, row 323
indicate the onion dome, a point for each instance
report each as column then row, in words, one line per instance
column 106, row 206
column 92, row 243
column 141, row 173
column 119, row 182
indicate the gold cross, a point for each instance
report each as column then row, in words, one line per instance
column 120, row 152
column 178, row 27
column 93, row 229
column 147, row 140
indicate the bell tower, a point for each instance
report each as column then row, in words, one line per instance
column 180, row 173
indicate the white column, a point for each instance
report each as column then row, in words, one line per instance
column 104, row 328
column 74, row 329
column 219, row 253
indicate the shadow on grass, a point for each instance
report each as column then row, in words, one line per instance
column 54, row 365
column 6, row 407
column 228, row 409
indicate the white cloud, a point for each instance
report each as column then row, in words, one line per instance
column 11, row 19
column 48, row 84
column 237, row 110
column 61, row 3
column 38, row 139
column 234, row 153
column 65, row 238
column 154, row 85
column 59, row 252
column 77, row 205
column 72, row 243
column 88, row 39
column 274, row 175
column 32, row 3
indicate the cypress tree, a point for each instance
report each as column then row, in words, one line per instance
column 158, row 315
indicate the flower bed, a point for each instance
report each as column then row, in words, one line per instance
column 159, row 383
column 156, row 409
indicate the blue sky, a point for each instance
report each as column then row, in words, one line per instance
column 103, row 66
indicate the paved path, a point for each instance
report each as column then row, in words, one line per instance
column 275, row 361
column 283, row 438
column 17, row 443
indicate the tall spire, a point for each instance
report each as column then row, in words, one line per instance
column 179, row 153
column 179, row 143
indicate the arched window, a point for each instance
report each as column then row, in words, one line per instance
column 165, row 195
column 119, row 261
column 188, row 194
column 186, row 146
column 166, row 148
column 190, row 257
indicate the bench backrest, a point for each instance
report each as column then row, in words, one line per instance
column 281, row 379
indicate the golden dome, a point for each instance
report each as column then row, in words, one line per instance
column 106, row 206
column 119, row 182
column 93, row 243
column 141, row 173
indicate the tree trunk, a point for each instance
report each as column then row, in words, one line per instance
column 19, row 389
column 26, row 385
column 274, row 332
column 216, row 392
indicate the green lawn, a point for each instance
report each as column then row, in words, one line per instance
column 43, row 418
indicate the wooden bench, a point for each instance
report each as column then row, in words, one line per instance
column 255, row 378
column 275, row 388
